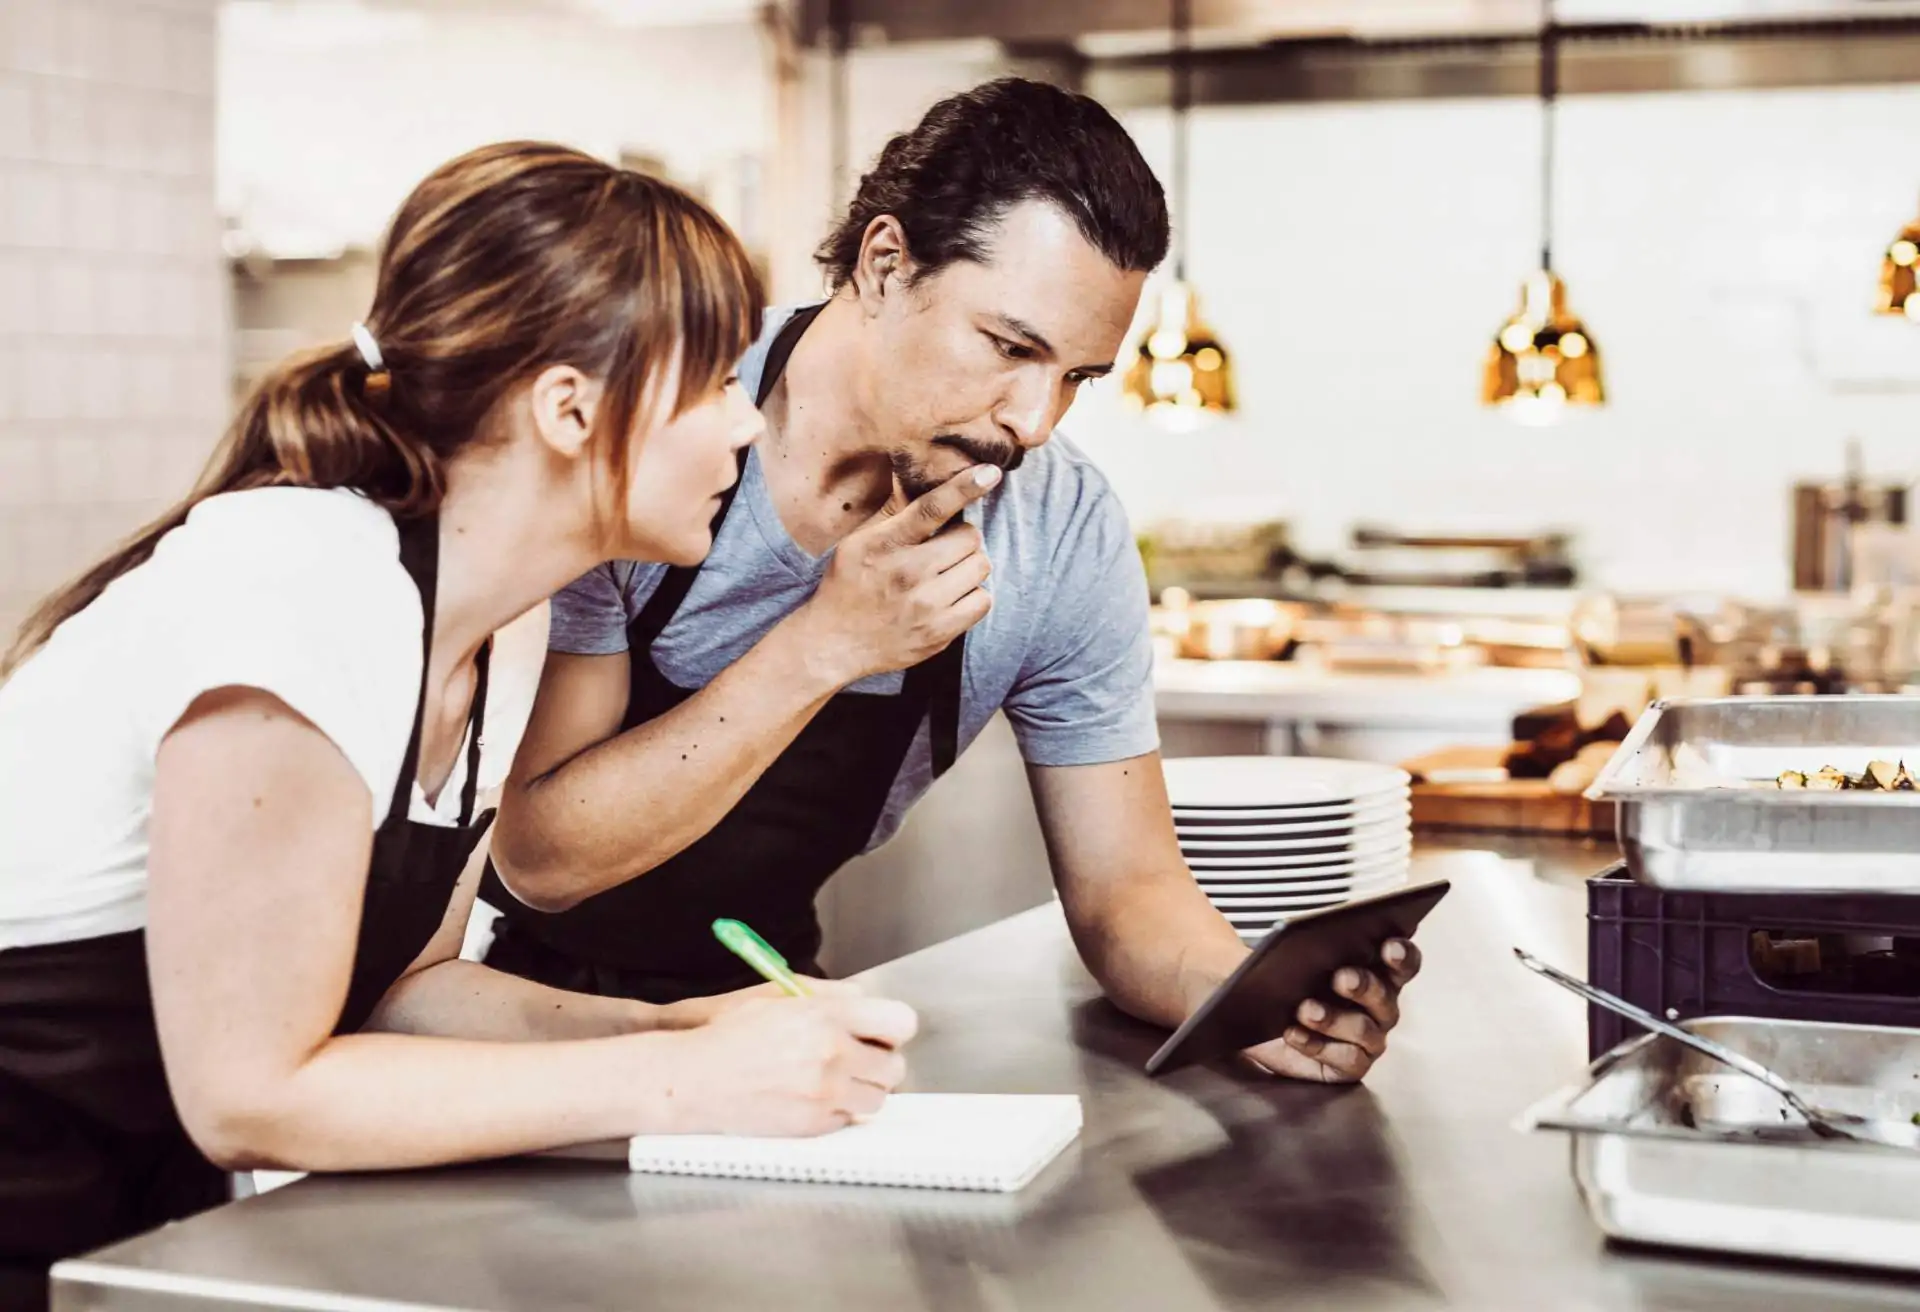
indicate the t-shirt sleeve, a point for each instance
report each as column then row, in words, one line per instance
column 590, row 614
column 296, row 599
column 1084, row 694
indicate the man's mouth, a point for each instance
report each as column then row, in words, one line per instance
column 1007, row 455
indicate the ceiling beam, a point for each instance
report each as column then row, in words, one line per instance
column 1592, row 61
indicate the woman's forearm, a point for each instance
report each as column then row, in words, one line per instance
column 390, row 1101
column 466, row 1000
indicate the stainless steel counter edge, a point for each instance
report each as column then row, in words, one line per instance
column 1209, row 1189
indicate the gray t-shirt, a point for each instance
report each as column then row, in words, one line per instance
column 1065, row 651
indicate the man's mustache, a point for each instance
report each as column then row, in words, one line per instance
column 1007, row 455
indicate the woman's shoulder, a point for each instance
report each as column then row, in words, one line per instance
column 302, row 522
column 327, row 550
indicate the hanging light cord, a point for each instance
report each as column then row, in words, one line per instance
column 1549, row 90
column 1182, row 100
column 838, row 128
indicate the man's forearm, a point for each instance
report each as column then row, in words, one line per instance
column 622, row 807
column 1156, row 945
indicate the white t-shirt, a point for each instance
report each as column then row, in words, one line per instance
column 295, row 591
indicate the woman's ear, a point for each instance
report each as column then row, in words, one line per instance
column 884, row 265
column 564, row 402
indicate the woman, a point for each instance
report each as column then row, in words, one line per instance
column 240, row 754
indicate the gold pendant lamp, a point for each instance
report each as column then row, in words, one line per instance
column 1180, row 373
column 1543, row 359
column 1899, row 269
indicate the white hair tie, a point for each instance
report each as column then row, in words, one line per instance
column 368, row 348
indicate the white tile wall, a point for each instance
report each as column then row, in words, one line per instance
column 112, row 285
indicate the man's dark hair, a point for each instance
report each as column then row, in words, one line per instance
column 976, row 155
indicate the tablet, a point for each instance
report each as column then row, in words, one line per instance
column 1296, row 961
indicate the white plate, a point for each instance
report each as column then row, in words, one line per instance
column 1345, row 869
column 1306, row 887
column 1212, row 863
column 1279, row 822
column 1385, row 874
column 1281, row 815
column 1274, row 782
column 1373, row 835
column 1254, row 906
column 1267, row 918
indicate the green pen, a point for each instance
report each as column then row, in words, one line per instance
column 758, row 953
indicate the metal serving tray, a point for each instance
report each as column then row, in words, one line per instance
column 1699, row 809
column 1672, row 1148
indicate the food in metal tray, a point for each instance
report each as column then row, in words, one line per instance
column 1878, row 777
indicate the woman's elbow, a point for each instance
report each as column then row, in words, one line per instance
column 242, row 1128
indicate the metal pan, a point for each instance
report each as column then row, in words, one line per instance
column 1699, row 809
column 1672, row 1148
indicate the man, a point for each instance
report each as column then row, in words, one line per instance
column 719, row 741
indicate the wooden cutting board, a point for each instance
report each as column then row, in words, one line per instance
column 1514, row 806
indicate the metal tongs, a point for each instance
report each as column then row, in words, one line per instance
column 1823, row 1121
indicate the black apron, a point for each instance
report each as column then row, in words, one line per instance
column 812, row 811
column 91, row 1148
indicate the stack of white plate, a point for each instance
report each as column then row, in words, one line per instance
column 1271, row 836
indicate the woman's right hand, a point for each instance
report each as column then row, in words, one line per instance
column 898, row 589
column 793, row 1066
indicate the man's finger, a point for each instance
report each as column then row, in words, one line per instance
column 1365, row 989
column 949, row 587
column 942, row 553
column 1402, row 960
column 1344, row 1024
column 1338, row 1061
column 932, row 512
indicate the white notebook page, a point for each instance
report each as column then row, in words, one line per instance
column 986, row 1141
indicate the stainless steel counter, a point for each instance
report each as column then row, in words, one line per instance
column 1209, row 1189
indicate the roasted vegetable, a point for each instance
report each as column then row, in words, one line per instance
column 1828, row 779
column 1877, row 776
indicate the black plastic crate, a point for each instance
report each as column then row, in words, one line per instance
column 1686, row 954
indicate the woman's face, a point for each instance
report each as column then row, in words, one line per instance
column 681, row 467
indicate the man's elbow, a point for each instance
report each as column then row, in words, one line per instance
column 542, row 885
column 528, row 861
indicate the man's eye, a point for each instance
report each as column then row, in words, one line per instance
column 1012, row 350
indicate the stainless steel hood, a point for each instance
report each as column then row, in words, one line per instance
column 1261, row 51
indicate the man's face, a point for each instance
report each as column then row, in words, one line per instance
column 976, row 363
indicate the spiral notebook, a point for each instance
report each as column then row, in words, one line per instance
column 984, row 1141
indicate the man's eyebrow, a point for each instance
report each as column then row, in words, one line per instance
column 1021, row 328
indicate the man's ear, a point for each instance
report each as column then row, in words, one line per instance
column 884, row 266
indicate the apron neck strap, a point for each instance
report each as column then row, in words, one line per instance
column 420, row 555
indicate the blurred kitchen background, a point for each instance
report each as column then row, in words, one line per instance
column 1401, row 496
